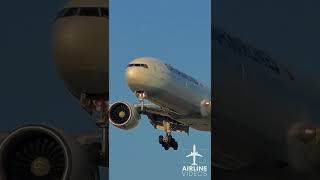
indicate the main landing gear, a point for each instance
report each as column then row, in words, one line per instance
column 168, row 141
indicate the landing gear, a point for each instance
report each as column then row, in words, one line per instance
column 141, row 96
column 98, row 107
column 168, row 141
column 175, row 145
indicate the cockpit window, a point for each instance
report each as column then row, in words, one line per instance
column 138, row 65
column 84, row 11
column 89, row 11
column 71, row 12
column 61, row 13
column 104, row 12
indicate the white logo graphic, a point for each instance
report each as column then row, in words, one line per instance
column 194, row 154
column 194, row 169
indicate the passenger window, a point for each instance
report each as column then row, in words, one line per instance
column 104, row 12
column 89, row 11
column 71, row 12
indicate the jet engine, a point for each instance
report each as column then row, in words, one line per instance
column 39, row 152
column 123, row 115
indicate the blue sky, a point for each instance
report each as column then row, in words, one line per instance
column 177, row 32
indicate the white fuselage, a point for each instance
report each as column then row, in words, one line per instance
column 258, row 104
column 170, row 89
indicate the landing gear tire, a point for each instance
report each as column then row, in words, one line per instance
column 166, row 147
column 175, row 145
column 170, row 139
column 160, row 139
column 168, row 142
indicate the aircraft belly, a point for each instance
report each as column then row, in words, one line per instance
column 198, row 123
column 182, row 105
column 249, row 120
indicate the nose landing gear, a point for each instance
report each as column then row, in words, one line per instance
column 99, row 107
column 141, row 96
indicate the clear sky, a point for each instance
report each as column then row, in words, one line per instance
column 177, row 32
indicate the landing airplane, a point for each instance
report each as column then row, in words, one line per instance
column 194, row 154
column 266, row 115
column 178, row 100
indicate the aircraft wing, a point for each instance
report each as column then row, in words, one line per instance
column 157, row 114
column 152, row 109
column 199, row 155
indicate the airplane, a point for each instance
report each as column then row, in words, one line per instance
column 178, row 101
column 80, row 50
column 265, row 114
column 194, row 154
column 83, row 69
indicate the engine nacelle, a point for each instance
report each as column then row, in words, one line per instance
column 123, row 115
column 39, row 152
column 205, row 108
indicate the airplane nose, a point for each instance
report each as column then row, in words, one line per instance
column 132, row 76
column 135, row 78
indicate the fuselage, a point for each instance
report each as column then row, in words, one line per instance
column 169, row 88
column 259, row 102
column 81, row 46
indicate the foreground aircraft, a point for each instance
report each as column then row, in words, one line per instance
column 42, row 152
column 265, row 115
column 178, row 100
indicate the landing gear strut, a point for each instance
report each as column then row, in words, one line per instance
column 141, row 96
column 168, row 141
column 100, row 108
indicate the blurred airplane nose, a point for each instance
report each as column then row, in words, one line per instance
column 81, row 52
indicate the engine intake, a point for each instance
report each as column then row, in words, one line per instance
column 39, row 152
column 123, row 115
